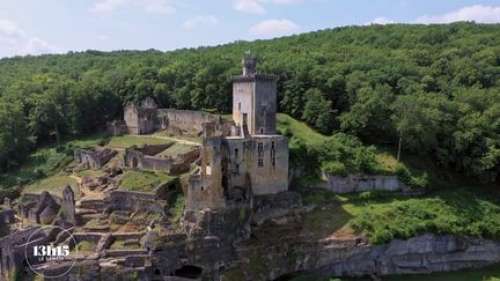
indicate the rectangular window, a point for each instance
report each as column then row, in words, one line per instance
column 260, row 149
column 260, row 154
column 239, row 106
column 236, row 153
column 273, row 154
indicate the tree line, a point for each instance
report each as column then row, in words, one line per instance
column 431, row 89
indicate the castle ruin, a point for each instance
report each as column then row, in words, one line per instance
column 253, row 159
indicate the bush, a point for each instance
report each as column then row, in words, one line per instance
column 344, row 154
column 334, row 168
column 406, row 177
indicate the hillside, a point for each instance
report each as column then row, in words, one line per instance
column 433, row 88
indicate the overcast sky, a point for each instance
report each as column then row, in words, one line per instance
column 55, row 26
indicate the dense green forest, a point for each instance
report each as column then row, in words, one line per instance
column 433, row 89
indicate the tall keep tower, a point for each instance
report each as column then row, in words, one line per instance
column 254, row 99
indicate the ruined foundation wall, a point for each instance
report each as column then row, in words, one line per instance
column 361, row 183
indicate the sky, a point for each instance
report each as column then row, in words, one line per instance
column 58, row 26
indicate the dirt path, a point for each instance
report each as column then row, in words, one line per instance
column 188, row 142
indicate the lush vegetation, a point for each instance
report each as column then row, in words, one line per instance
column 44, row 167
column 339, row 154
column 127, row 141
column 143, row 181
column 382, row 216
column 433, row 89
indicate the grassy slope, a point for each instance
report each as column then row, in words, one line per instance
column 176, row 149
column 131, row 140
column 461, row 209
column 311, row 137
column 143, row 181
column 43, row 168
column 300, row 129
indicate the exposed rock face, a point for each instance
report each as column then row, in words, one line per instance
column 331, row 257
column 361, row 183
column 423, row 254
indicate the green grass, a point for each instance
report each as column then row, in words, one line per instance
column 120, row 245
column 127, row 141
column 177, row 149
column 46, row 162
column 86, row 246
column 54, row 185
column 300, row 130
column 177, row 209
column 382, row 216
column 89, row 141
column 91, row 173
column 143, row 181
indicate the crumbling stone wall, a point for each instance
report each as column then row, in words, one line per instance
column 12, row 251
column 145, row 159
column 136, row 159
column 135, row 201
column 68, row 205
column 187, row 122
column 141, row 119
column 94, row 159
column 117, row 127
column 361, row 183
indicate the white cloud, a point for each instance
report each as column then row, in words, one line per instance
column 104, row 6
column 274, row 27
column 15, row 41
column 195, row 22
column 37, row 46
column 477, row 13
column 380, row 20
column 257, row 6
column 149, row 6
column 249, row 6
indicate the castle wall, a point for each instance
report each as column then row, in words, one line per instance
column 361, row 183
column 206, row 189
column 94, row 159
column 184, row 121
column 269, row 174
column 137, row 160
column 136, row 201
column 265, row 107
column 243, row 102
column 12, row 252
column 131, row 117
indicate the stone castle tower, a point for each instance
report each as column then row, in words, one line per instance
column 253, row 160
column 254, row 99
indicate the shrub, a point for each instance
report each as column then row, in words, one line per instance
column 334, row 168
column 346, row 150
column 406, row 177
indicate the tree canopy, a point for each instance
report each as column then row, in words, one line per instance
column 434, row 87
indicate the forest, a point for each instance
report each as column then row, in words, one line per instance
column 431, row 90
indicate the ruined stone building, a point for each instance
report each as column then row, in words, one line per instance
column 146, row 118
column 253, row 159
column 93, row 158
